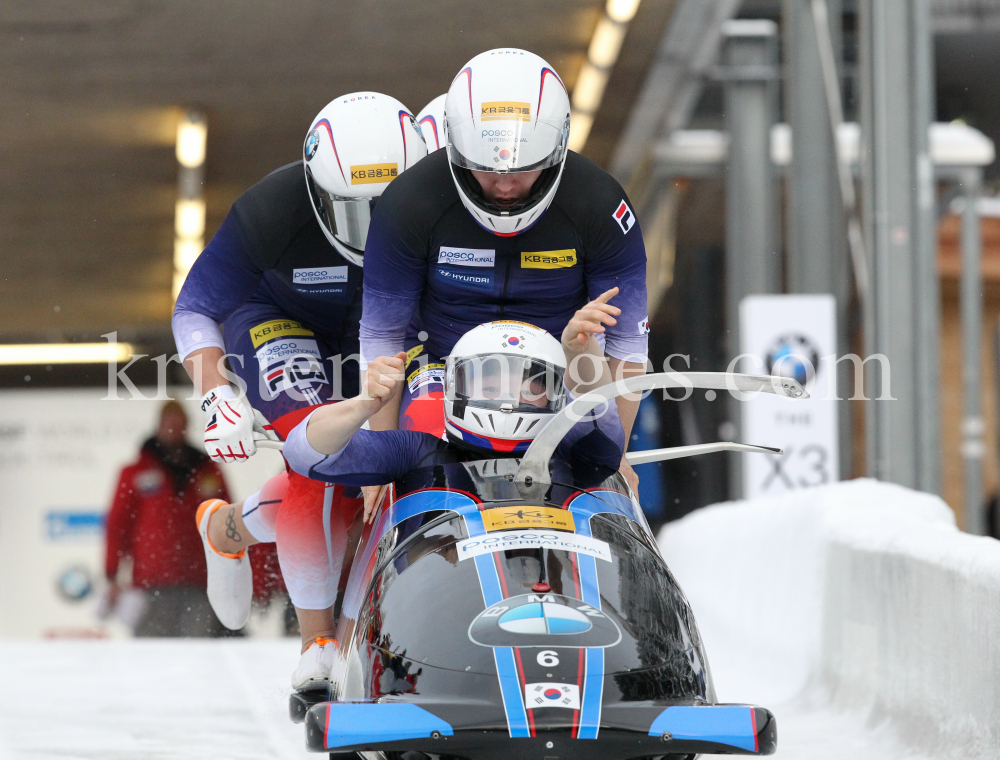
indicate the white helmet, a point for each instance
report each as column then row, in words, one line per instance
column 431, row 123
column 503, row 383
column 507, row 111
column 357, row 145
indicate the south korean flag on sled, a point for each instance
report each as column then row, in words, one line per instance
column 552, row 695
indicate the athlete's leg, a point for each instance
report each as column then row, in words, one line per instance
column 237, row 526
column 312, row 535
column 283, row 369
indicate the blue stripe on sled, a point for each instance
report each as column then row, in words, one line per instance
column 510, row 683
column 489, row 581
column 725, row 724
column 510, row 688
column 593, row 692
column 593, row 682
column 350, row 724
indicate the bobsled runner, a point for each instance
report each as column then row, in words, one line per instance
column 502, row 609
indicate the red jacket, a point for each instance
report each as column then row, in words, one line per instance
column 152, row 520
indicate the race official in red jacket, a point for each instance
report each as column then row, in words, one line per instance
column 152, row 521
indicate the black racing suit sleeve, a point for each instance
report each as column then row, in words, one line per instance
column 250, row 241
column 616, row 254
column 223, row 277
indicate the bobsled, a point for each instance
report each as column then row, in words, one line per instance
column 505, row 608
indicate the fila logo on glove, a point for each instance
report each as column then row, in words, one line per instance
column 624, row 216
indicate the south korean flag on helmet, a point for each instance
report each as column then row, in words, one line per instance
column 507, row 111
column 503, row 384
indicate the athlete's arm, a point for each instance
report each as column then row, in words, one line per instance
column 205, row 368
column 221, row 280
column 595, row 441
column 331, row 427
column 586, row 366
column 619, row 259
column 628, row 405
column 370, row 458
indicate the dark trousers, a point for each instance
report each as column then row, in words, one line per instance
column 184, row 611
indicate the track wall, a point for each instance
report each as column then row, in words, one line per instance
column 861, row 593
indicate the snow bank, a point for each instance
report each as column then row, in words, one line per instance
column 863, row 589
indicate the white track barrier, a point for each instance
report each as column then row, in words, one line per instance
column 861, row 592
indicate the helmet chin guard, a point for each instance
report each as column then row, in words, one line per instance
column 356, row 146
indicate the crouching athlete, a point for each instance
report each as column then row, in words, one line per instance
column 282, row 276
column 514, row 372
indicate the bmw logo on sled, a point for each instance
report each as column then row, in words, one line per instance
column 504, row 609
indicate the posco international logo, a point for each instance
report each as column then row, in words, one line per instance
column 468, row 257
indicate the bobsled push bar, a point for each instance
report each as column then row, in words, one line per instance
column 533, row 475
column 627, row 730
column 678, row 452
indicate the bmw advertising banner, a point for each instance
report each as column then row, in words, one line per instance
column 793, row 336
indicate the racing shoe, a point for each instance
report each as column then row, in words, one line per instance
column 230, row 579
column 313, row 672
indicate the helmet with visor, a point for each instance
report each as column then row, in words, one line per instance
column 357, row 145
column 503, row 383
column 507, row 112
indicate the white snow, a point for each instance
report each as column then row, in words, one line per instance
column 154, row 699
column 856, row 612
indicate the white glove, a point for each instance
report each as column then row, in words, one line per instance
column 229, row 426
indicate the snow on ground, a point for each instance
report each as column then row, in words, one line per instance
column 182, row 700
column 753, row 573
column 148, row 700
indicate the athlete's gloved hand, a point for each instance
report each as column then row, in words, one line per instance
column 229, row 426
column 264, row 434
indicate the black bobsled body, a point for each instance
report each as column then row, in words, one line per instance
column 479, row 625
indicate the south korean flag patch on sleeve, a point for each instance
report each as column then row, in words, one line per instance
column 624, row 216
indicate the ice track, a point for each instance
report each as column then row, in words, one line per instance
column 148, row 700
column 222, row 700
column 753, row 571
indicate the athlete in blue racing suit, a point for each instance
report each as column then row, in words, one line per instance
column 282, row 276
column 437, row 263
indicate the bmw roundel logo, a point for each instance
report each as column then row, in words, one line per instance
column 793, row 356
column 543, row 620
column 75, row 583
column 312, row 144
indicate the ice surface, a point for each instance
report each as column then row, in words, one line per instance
column 148, row 700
